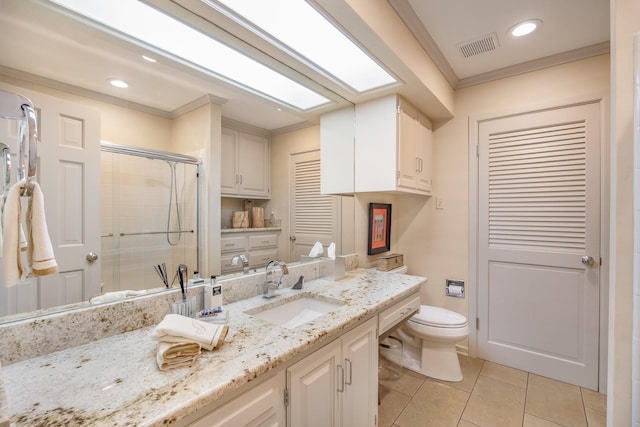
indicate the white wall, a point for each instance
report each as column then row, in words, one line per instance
column 624, row 24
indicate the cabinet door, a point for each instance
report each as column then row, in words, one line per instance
column 313, row 389
column 360, row 356
column 229, row 176
column 424, row 153
column 261, row 406
column 254, row 163
column 407, row 159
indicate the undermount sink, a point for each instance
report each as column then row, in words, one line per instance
column 292, row 313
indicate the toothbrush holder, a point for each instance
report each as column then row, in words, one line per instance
column 185, row 308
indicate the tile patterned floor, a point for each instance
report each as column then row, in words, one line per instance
column 490, row 395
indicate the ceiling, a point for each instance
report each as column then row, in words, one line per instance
column 571, row 29
column 43, row 47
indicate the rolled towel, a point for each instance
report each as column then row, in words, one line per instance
column 175, row 328
column 116, row 296
column 39, row 251
column 175, row 355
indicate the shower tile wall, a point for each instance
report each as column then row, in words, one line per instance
column 135, row 197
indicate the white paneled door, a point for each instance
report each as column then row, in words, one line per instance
column 69, row 175
column 539, row 242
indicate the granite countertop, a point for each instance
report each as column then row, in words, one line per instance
column 115, row 381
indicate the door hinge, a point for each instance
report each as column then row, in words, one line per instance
column 600, row 261
column 375, row 420
column 286, row 397
column 477, row 150
column 477, row 323
column 398, row 109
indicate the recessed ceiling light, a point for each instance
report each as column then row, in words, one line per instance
column 524, row 28
column 148, row 58
column 118, row 83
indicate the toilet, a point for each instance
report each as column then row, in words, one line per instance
column 429, row 339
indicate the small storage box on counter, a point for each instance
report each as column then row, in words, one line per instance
column 389, row 262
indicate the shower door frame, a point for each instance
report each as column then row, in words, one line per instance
column 110, row 147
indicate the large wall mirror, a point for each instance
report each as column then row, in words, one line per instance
column 50, row 52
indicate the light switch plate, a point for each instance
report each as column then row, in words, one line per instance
column 439, row 202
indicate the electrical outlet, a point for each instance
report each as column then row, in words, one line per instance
column 439, row 202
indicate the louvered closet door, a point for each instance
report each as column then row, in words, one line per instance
column 539, row 214
column 313, row 216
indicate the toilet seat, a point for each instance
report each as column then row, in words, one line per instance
column 438, row 317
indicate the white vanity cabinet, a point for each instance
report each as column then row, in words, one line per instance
column 393, row 147
column 259, row 247
column 246, row 165
column 338, row 384
column 261, row 406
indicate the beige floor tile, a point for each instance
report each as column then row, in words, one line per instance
column 505, row 374
column 391, row 405
column 596, row 418
column 533, row 421
column 555, row 401
column 495, row 403
column 464, row 423
column 594, row 400
column 408, row 383
column 435, row 404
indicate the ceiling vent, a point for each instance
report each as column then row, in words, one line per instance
column 479, row 45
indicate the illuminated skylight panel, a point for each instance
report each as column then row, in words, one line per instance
column 299, row 26
column 152, row 27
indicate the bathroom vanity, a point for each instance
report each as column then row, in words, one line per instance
column 306, row 374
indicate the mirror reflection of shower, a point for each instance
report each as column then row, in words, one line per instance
column 173, row 201
column 149, row 216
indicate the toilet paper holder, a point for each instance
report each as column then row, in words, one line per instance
column 454, row 288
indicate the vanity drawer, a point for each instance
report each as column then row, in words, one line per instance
column 398, row 312
column 233, row 244
column 261, row 258
column 263, row 241
column 226, row 266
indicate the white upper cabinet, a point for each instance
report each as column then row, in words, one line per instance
column 246, row 165
column 393, row 147
column 386, row 146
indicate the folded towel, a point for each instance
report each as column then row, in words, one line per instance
column 175, row 328
column 39, row 251
column 175, row 355
column 14, row 270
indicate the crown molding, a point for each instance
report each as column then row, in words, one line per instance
column 537, row 64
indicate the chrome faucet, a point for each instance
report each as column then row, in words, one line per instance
column 271, row 285
column 244, row 260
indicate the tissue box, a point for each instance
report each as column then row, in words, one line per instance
column 390, row 262
column 332, row 269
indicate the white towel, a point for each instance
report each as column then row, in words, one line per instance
column 40, row 254
column 175, row 355
column 1, row 216
column 116, row 296
column 175, row 328
column 14, row 271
